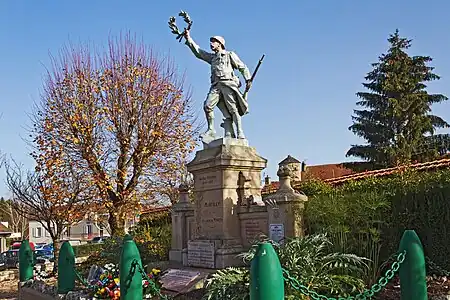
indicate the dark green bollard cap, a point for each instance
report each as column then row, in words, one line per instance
column 266, row 275
column 130, row 282
column 413, row 281
column 66, row 269
column 26, row 261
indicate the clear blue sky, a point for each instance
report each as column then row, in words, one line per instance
column 317, row 53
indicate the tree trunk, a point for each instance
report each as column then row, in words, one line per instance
column 116, row 223
column 55, row 241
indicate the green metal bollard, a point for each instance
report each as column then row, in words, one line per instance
column 66, row 269
column 130, row 279
column 26, row 261
column 266, row 275
column 413, row 282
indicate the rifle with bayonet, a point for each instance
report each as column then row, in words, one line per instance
column 247, row 87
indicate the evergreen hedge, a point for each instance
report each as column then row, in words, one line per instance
column 87, row 249
column 369, row 216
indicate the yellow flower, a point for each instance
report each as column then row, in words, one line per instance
column 156, row 271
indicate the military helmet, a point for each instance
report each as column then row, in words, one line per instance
column 219, row 39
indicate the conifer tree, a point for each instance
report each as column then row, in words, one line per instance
column 395, row 117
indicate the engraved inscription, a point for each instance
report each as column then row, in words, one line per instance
column 211, row 216
column 211, row 204
column 205, row 181
column 252, row 229
column 201, row 254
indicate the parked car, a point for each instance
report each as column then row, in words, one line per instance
column 71, row 242
column 44, row 256
column 39, row 246
column 48, row 247
column 2, row 264
column 99, row 239
column 16, row 245
column 10, row 259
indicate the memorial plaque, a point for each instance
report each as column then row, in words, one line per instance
column 276, row 232
column 178, row 280
column 252, row 229
column 201, row 254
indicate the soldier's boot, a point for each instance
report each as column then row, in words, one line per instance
column 237, row 121
column 210, row 119
column 227, row 125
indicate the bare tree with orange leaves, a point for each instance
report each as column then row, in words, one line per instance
column 54, row 199
column 122, row 117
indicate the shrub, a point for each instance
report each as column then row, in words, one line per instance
column 153, row 235
column 368, row 217
column 313, row 187
column 87, row 249
column 108, row 253
column 309, row 260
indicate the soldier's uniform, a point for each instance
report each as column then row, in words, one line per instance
column 224, row 91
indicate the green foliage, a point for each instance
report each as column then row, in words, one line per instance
column 153, row 235
column 396, row 120
column 313, row 187
column 310, row 260
column 100, row 254
column 155, row 219
column 87, row 249
column 230, row 284
column 368, row 217
column 4, row 204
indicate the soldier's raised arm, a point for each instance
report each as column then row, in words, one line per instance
column 198, row 52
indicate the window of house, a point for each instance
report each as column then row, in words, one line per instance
column 38, row 232
column 89, row 229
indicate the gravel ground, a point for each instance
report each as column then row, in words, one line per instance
column 8, row 290
column 436, row 286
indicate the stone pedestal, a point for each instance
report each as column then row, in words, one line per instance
column 225, row 174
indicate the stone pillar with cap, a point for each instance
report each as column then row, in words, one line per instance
column 286, row 206
column 181, row 213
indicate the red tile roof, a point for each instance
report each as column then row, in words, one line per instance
column 322, row 172
column 437, row 164
column 156, row 209
column 327, row 171
column 336, row 174
column 270, row 188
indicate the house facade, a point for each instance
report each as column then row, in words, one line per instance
column 83, row 231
